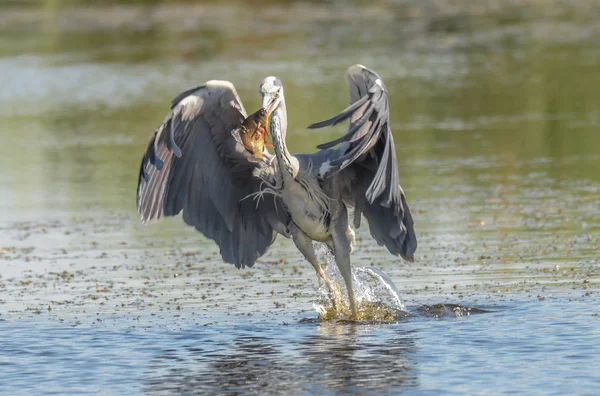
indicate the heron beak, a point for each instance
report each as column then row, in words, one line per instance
column 270, row 102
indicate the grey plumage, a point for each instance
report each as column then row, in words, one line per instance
column 195, row 163
column 211, row 178
column 369, row 164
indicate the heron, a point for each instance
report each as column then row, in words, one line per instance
column 195, row 163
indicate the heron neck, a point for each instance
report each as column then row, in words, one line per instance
column 288, row 165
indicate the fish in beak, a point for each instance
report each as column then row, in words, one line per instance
column 253, row 132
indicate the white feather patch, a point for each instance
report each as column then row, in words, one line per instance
column 324, row 168
column 220, row 83
column 190, row 106
column 189, row 100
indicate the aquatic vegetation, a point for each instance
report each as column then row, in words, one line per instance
column 368, row 311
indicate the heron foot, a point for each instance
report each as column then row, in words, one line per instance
column 353, row 310
column 339, row 308
column 335, row 295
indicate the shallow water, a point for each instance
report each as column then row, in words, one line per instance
column 495, row 117
column 525, row 348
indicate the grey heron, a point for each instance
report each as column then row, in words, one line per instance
column 196, row 163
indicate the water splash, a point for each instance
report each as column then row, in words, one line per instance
column 376, row 295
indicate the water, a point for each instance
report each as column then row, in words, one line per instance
column 495, row 117
column 484, row 354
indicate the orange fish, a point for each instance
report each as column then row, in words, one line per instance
column 253, row 132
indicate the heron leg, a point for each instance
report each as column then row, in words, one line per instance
column 342, row 248
column 351, row 240
column 305, row 246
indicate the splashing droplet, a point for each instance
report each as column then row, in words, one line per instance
column 376, row 295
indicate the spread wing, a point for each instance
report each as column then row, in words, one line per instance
column 366, row 162
column 195, row 164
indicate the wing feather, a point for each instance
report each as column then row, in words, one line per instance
column 366, row 162
column 194, row 164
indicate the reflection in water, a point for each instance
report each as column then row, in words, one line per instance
column 351, row 357
column 325, row 358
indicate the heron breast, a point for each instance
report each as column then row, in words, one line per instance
column 307, row 214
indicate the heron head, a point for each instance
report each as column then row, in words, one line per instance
column 271, row 90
